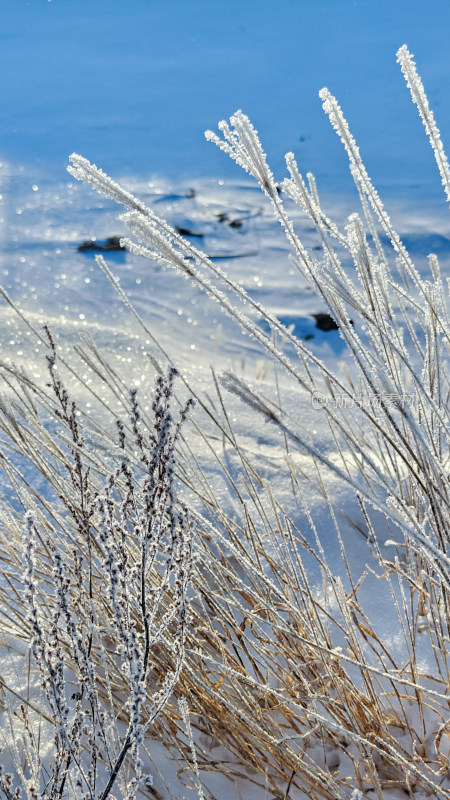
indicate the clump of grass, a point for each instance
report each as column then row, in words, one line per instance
column 106, row 578
column 296, row 683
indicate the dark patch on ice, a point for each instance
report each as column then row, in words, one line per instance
column 229, row 256
column 111, row 244
column 222, row 216
column 166, row 198
column 188, row 232
column 236, row 222
column 324, row 322
column 306, row 329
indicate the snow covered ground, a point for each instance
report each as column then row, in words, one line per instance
column 132, row 87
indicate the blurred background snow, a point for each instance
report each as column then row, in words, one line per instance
column 133, row 85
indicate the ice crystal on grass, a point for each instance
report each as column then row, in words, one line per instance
column 405, row 59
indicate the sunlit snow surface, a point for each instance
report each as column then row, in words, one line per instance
column 52, row 282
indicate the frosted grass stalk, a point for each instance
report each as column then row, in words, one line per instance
column 415, row 86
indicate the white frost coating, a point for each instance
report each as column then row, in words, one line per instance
column 243, row 146
column 361, row 177
column 415, row 86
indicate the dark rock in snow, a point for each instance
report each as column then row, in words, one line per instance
column 324, row 322
column 110, row 245
column 188, row 232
